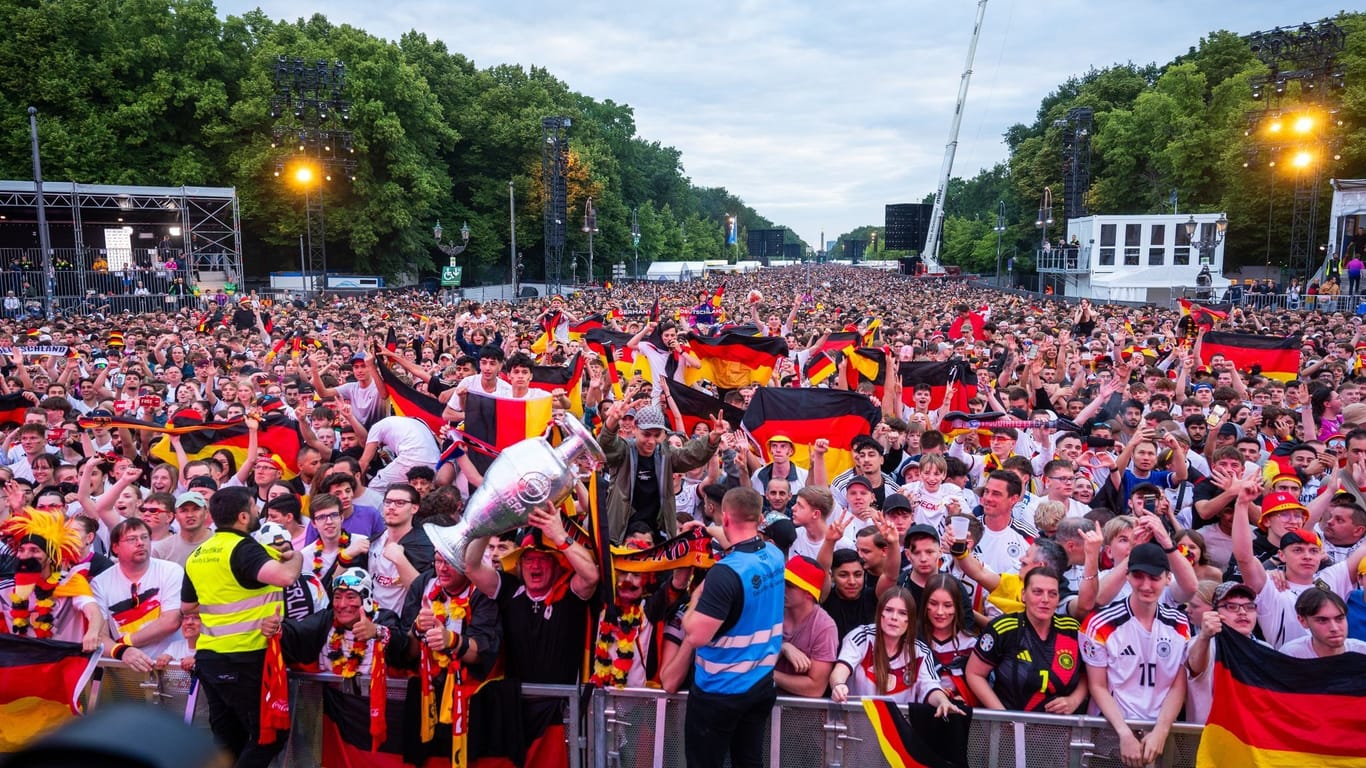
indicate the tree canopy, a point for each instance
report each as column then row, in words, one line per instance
column 168, row 93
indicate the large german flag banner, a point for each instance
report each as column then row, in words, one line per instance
column 407, row 401
column 733, row 360
column 13, row 407
column 503, row 421
column 803, row 415
column 918, row 739
column 1276, row 357
column 40, row 686
column 698, row 407
column 938, row 376
column 1274, row 711
column 568, row 377
column 278, row 434
column 841, row 341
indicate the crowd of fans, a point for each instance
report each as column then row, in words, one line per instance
column 1087, row 563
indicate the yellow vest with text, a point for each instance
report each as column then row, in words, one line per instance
column 230, row 612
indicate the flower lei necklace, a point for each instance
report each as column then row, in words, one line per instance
column 342, row 544
column 345, row 664
column 616, row 647
column 457, row 608
column 43, row 604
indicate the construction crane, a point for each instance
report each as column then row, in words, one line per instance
column 930, row 255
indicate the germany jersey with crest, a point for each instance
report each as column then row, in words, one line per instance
column 1031, row 671
column 1142, row 664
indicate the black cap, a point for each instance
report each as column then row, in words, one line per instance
column 782, row 533
column 895, row 501
column 1148, row 558
column 859, row 480
column 920, row 532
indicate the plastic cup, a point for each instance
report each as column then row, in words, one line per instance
column 959, row 526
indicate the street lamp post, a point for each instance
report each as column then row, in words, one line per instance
column 1000, row 231
column 590, row 225
column 1206, row 244
column 452, row 250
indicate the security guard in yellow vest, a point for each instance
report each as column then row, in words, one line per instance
column 234, row 584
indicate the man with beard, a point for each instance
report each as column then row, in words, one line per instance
column 402, row 552
column 235, row 584
column 141, row 595
column 351, row 638
column 46, row 600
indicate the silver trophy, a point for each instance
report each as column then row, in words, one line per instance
column 529, row 474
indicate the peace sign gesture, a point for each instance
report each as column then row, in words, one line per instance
column 835, row 531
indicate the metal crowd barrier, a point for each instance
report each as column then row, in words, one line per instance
column 636, row 728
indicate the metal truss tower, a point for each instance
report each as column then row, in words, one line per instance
column 554, row 196
column 1076, row 161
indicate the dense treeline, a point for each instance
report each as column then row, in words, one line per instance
column 1158, row 129
column 168, row 93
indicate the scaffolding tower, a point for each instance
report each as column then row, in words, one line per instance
column 554, row 196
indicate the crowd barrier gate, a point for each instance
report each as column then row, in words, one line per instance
column 643, row 728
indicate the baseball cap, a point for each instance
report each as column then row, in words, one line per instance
column 919, row 532
column 191, row 497
column 1228, row 430
column 1148, row 558
column 859, row 480
column 1230, row 589
column 782, row 532
column 1300, row 536
column 650, row 417
column 895, row 501
column 805, row 574
column 203, row 481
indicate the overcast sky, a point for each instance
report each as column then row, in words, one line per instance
column 816, row 114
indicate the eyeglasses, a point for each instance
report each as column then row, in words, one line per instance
column 397, row 502
column 50, row 506
column 1244, row 608
column 148, row 510
column 1068, row 478
column 327, row 517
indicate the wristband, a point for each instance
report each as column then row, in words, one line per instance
column 450, row 637
column 463, row 648
column 118, row 651
column 1170, row 549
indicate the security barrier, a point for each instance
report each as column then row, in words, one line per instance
column 643, row 728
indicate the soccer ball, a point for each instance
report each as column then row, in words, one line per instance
column 754, row 297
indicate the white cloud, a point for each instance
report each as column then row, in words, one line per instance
column 815, row 114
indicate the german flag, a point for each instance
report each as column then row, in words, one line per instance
column 696, row 406
column 40, row 686
column 569, row 377
column 407, row 401
column 1204, row 315
column 718, row 295
column 1273, row 356
column 841, row 342
column 1275, row 711
column 581, row 328
column 870, row 329
column 866, row 364
column 819, row 367
column 938, row 375
column 611, row 345
column 732, row 360
column 13, row 408
column 278, row 434
column 505, row 421
column 918, row 739
column 803, row 415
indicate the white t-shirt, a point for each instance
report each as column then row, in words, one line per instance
column 932, row 508
column 364, row 400
column 1141, row 664
column 1276, row 613
column 130, row 608
column 856, row 653
column 389, row 591
column 474, row 383
column 408, row 439
column 1001, row 550
column 803, row 545
column 1303, row 647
